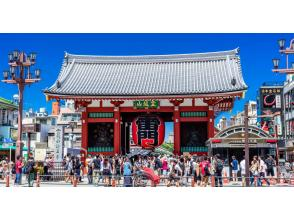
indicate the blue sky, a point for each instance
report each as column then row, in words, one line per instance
column 256, row 51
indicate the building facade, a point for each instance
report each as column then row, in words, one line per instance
column 111, row 92
column 271, row 111
column 288, row 94
column 8, row 127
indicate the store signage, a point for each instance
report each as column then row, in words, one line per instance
column 148, row 131
column 146, row 104
column 30, row 128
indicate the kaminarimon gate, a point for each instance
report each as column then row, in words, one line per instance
column 117, row 94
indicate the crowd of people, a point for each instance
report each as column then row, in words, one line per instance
column 28, row 168
column 138, row 169
column 178, row 170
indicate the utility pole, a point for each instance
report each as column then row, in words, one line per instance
column 246, row 145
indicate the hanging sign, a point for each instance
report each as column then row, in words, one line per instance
column 146, row 104
column 148, row 131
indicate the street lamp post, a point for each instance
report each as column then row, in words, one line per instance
column 20, row 74
column 287, row 51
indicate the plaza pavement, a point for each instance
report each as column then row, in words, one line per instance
column 85, row 184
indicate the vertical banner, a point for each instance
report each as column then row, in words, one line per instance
column 278, row 101
column 58, row 150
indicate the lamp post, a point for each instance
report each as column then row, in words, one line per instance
column 287, row 51
column 20, row 74
column 246, row 146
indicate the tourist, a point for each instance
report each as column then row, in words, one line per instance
column 288, row 166
column 89, row 165
column 96, row 166
column 164, row 168
column 18, row 170
column 30, row 170
column 127, row 172
column 71, row 167
column 77, row 168
column 116, row 168
column 218, row 169
column 270, row 163
column 243, row 171
column 254, row 170
column 106, row 171
column 235, row 169
column 262, row 170
column 205, row 171
column 157, row 166
column 174, row 171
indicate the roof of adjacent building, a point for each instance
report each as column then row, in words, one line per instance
column 7, row 104
column 149, row 75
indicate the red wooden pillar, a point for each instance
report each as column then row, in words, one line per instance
column 84, row 146
column 210, row 124
column 177, row 125
column 117, row 132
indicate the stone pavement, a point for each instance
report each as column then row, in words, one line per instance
column 84, row 183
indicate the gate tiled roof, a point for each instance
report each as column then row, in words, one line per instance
column 149, row 75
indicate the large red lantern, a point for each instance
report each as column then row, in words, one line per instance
column 148, row 131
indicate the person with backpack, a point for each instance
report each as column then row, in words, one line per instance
column 181, row 169
column 106, row 171
column 174, row 172
column 77, row 168
column 218, row 170
column 270, row 163
column 127, row 172
column 205, row 171
column 96, row 165
column 30, row 170
column 157, row 166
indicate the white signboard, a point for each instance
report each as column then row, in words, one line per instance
column 58, row 150
column 278, row 101
column 40, row 154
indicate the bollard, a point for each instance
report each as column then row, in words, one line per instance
column 273, row 181
column 38, row 180
column 282, row 180
column 212, row 181
column 255, row 181
column 193, row 182
column 113, row 182
column 7, row 181
column 177, row 184
column 225, row 178
column 292, row 180
column 75, row 181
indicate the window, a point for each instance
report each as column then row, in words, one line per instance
column 33, row 136
column 53, row 121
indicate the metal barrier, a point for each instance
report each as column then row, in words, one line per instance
column 141, row 181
